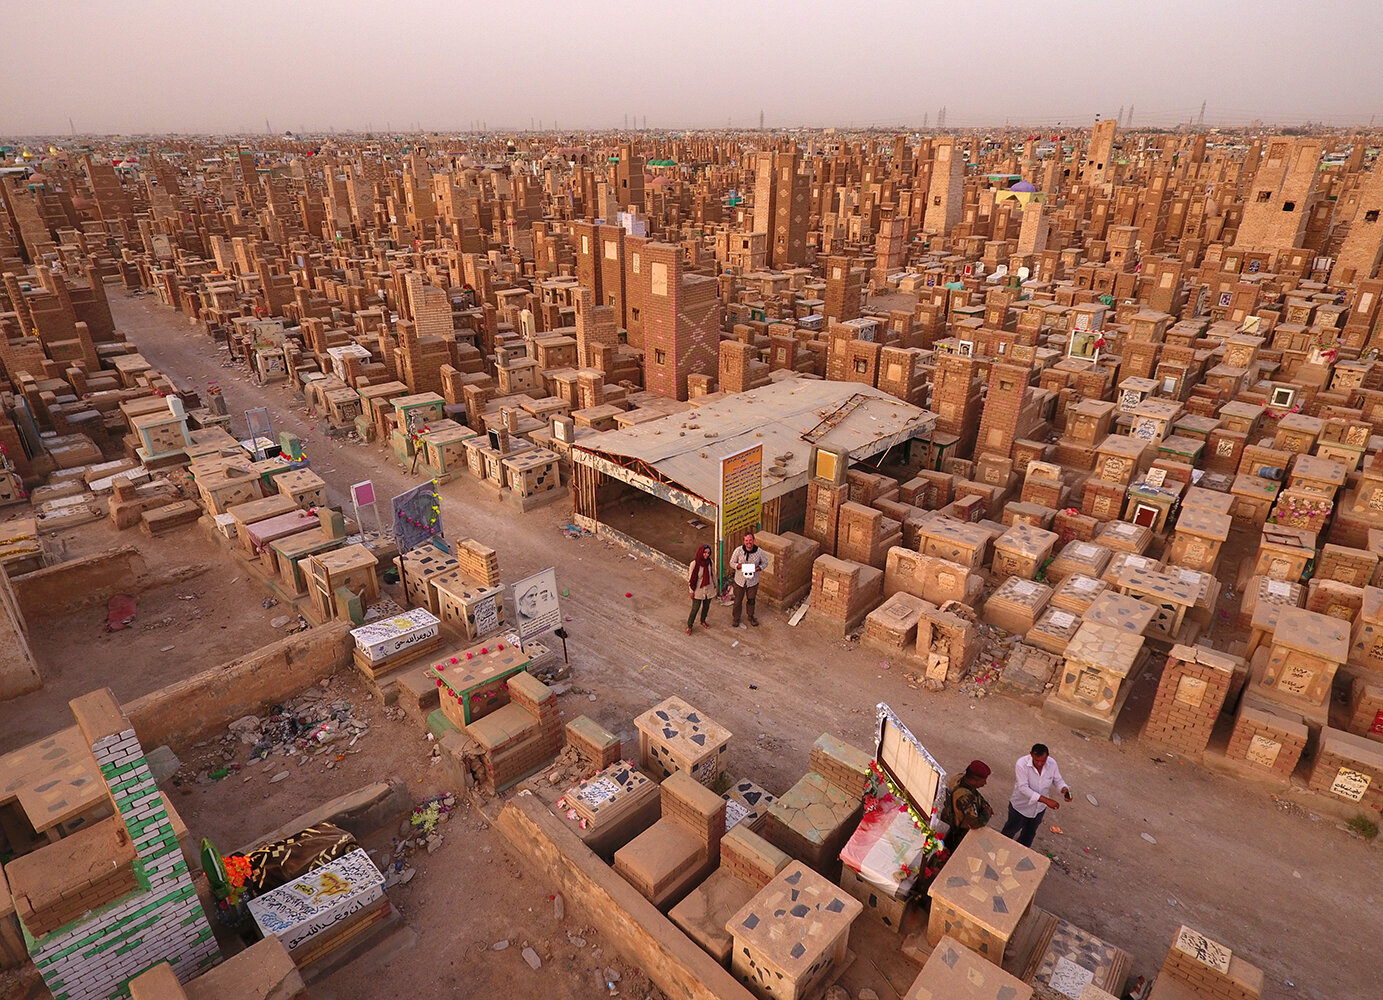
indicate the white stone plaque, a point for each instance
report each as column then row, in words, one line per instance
column 1296, row 680
column 598, row 791
column 1202, row 949
column 1070, row 979
column 1190, row 691
column 734, row 813
column 486, row 616
column 1350, row 784
column 1263, row 750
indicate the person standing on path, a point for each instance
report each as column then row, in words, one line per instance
column 1034, row 775
column 748, row 561
column 702, row 587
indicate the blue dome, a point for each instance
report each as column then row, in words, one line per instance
column 1023, row 186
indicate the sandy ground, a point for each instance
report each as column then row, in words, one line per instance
column 1282, row 886
column 207, row 616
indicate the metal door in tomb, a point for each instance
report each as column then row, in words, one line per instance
column 1145, row 516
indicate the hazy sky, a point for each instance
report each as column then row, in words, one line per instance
column 192, row 66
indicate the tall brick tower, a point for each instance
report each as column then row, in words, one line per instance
column 629, row 179
column 1003, row 409
column 844, row 284
column 764, row 192
column 947, row 190
column 585, row 238
column 595, row 328
column 890, row 244
column 1098, row 166
column 611, row 266
column 1277, row 206
column 1362, row 248
column 681, row 322
column 782, row 196
column 792, row 190
column 956, row 399
column 1032, row 234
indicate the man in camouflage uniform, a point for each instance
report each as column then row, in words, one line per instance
column 965, row 808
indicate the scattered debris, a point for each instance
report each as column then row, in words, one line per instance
column 567, row 769
column 1288, row 806
column 306, row 725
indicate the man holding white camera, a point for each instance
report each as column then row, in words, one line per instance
column 748, row 561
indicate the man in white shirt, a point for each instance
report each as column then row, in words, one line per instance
column 1034, row 775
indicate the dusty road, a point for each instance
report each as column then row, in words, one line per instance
column 1292, row 894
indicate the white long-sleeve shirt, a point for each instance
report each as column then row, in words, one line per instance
column 1029, row 785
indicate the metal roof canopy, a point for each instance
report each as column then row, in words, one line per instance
column 685, row 448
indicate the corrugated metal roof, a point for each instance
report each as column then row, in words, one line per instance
column 686, row 448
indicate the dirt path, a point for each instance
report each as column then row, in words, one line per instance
column 1293, row 895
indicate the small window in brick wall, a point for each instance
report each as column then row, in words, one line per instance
column 659, row 356
column 1289, row 206
column 1371, row 215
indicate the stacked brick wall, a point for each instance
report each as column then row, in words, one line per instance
column 96, row 956
column 1188, row 701
column 1268, row 741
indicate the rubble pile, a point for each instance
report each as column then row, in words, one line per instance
column 309, row 724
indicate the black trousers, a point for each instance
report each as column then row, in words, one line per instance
column 1022, row 828
column 704, row 603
